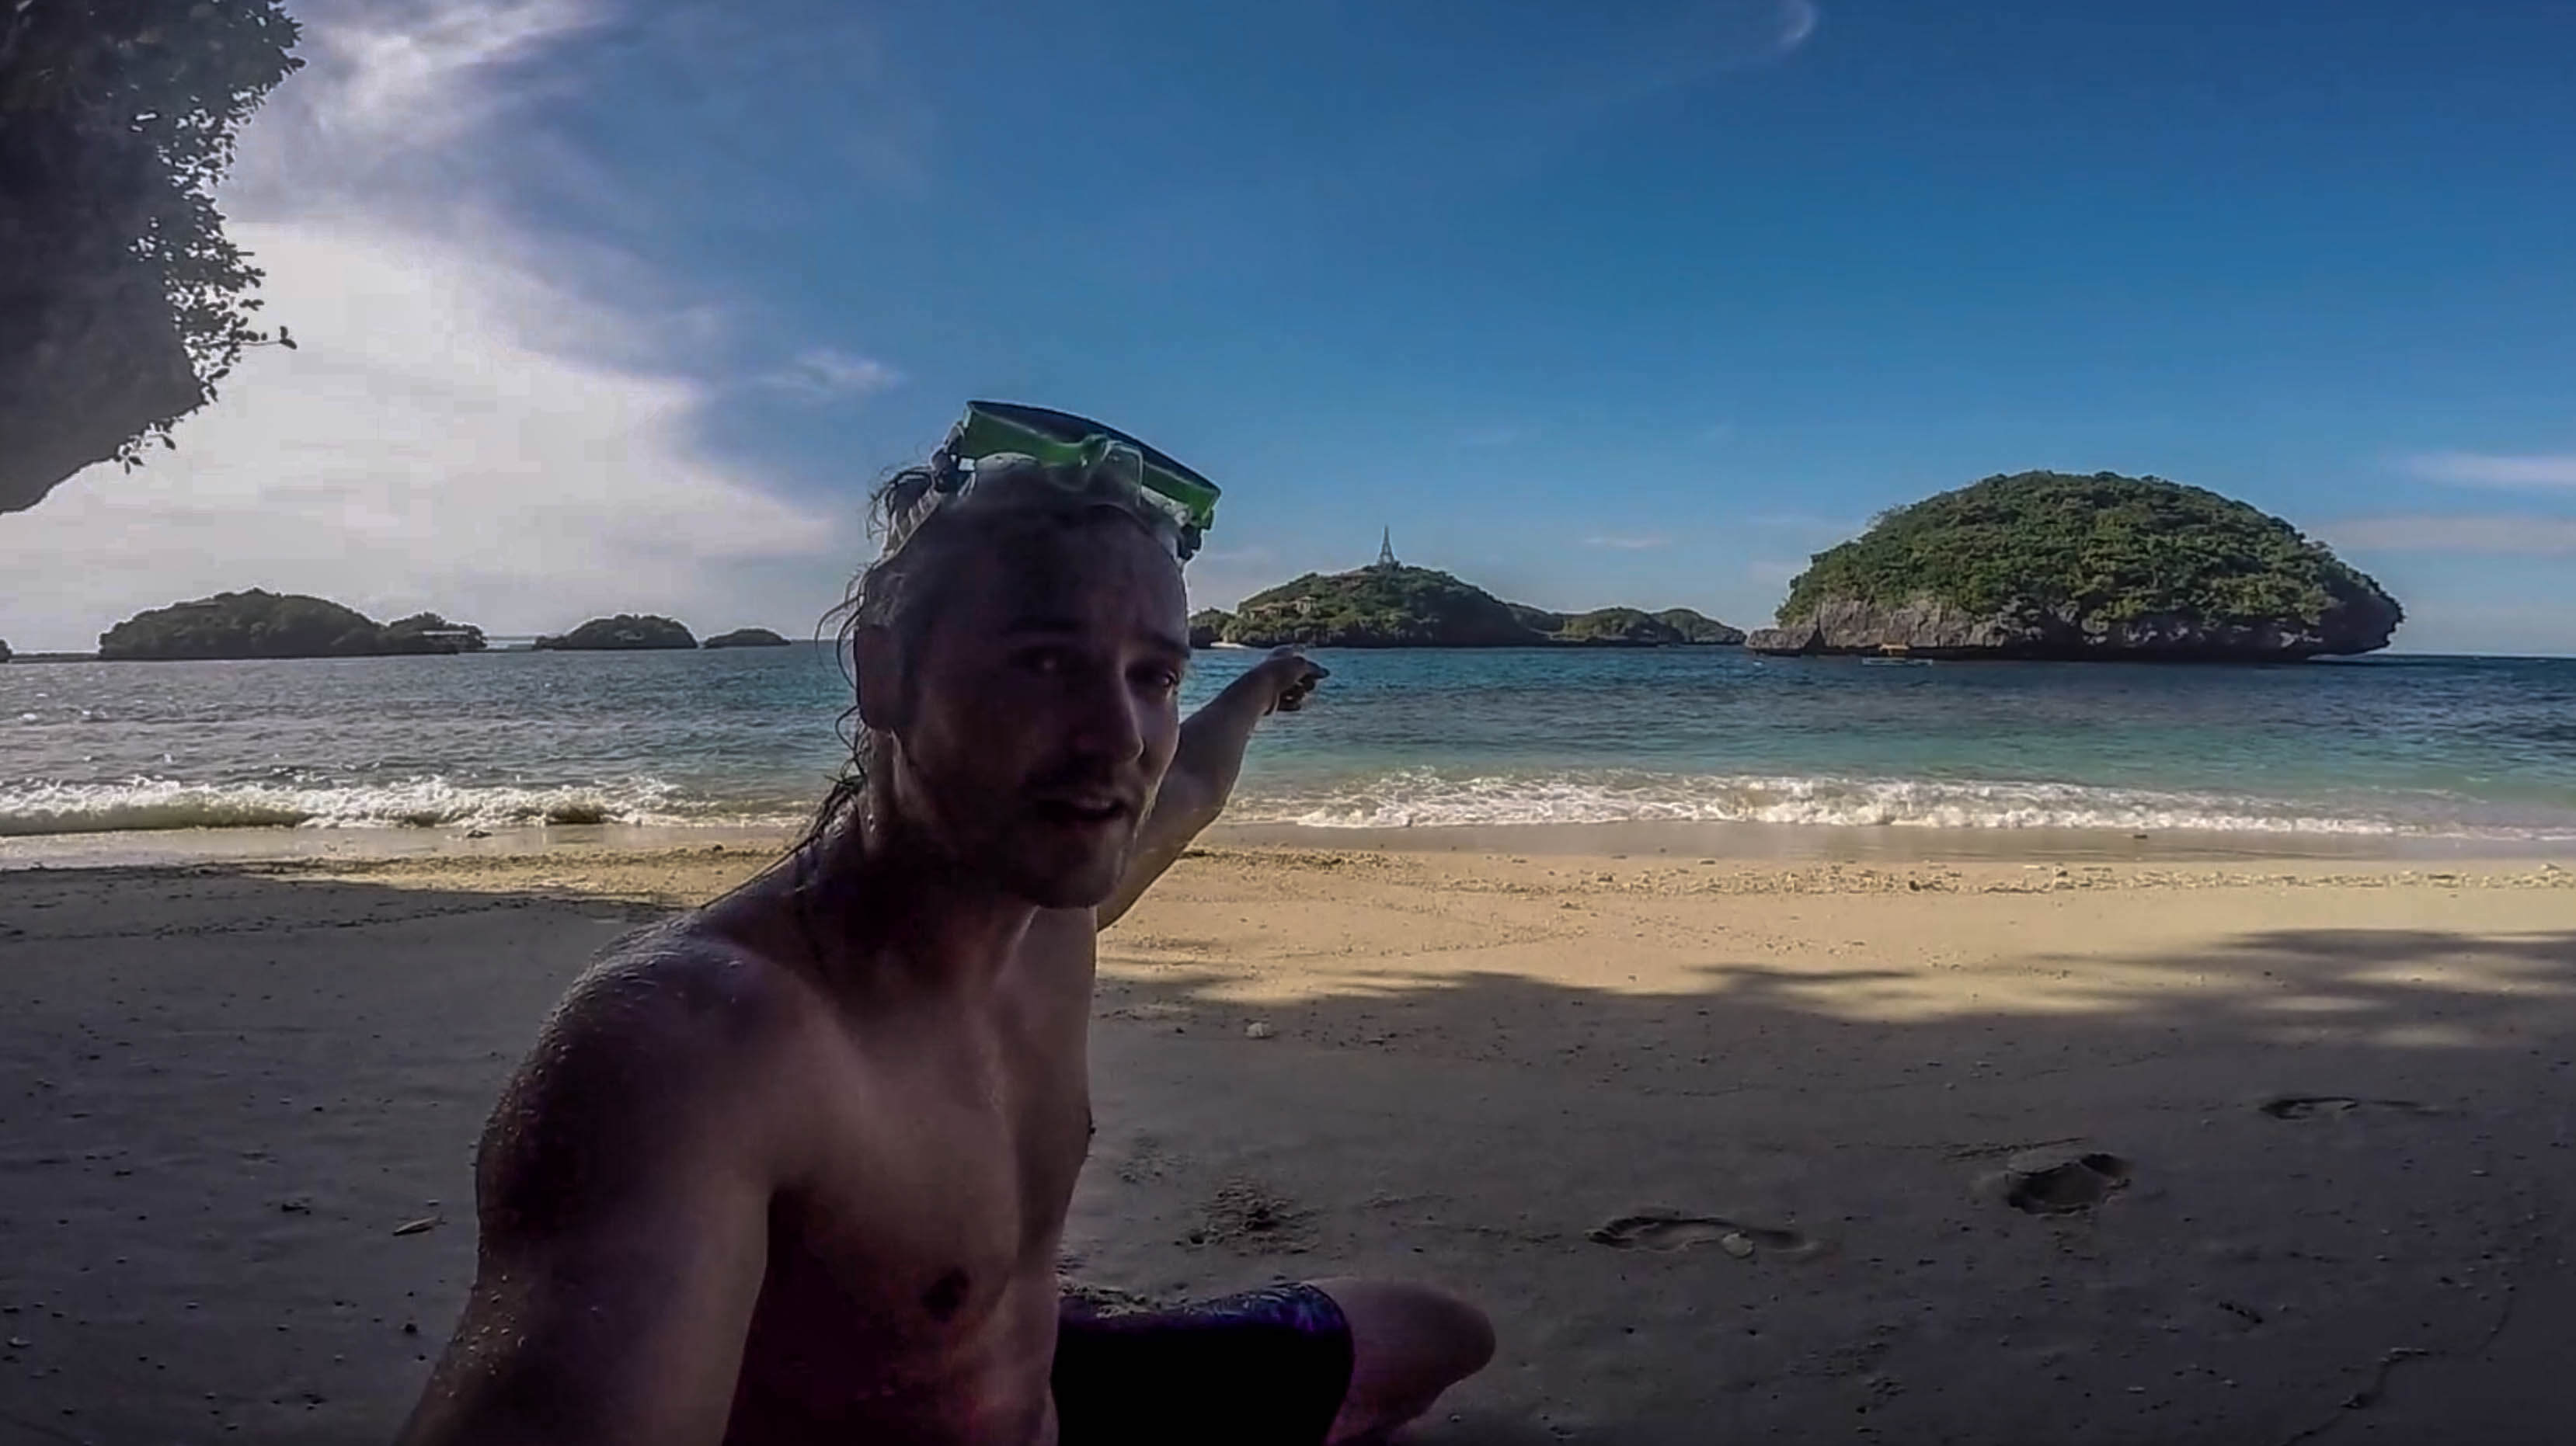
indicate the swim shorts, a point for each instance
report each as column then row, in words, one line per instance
column 1265, row 1368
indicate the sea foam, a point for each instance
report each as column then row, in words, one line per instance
column 1423, row 798
column 34, row 808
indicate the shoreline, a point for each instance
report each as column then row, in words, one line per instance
column 1752, row 843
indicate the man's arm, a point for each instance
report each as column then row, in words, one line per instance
column 624, row 1196
column 1204, row 767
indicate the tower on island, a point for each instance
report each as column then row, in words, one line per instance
column 1386, row 550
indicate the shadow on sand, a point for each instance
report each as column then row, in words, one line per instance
column 228, row 1099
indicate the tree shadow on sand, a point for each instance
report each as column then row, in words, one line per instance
column 224, row 1091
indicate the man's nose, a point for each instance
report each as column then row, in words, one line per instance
column 1106, row 725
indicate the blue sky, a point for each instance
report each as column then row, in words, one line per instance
column 613, row 306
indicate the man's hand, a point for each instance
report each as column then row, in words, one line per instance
column 1282, row 680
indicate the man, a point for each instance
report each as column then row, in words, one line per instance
column 795, row 1168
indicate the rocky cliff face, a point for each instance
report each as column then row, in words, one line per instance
column 1927, row 627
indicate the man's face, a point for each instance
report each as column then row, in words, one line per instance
column 1042, row 706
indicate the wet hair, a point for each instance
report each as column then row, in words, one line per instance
column 923, row 531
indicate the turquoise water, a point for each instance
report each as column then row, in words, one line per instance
column 2428, row 747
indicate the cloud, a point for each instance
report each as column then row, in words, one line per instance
column 481, row 417
column 1628, row 544
column 2494, row 534
column 824, row 372
column 2484, row 469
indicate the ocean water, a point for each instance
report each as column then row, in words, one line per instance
column 2457, row 748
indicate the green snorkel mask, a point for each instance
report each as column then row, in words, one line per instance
column 1073, row 450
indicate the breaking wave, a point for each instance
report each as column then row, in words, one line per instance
column 1424, row 798
column 38, row 808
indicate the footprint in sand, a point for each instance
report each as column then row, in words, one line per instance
column 2304, row 1107
column 2069, row 1187
column 1672, row 1230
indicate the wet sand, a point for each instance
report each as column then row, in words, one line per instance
column 2183, row 1148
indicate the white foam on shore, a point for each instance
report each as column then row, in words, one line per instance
column 1417, row 798
column 142, row 804
column 1427, row 799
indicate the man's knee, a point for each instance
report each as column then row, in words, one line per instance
column 1408, row 1344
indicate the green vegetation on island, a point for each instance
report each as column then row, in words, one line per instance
column 430, row 633
column 1634, row 627
column 626, row 632
column 2054, row 565
column 1699, row 628
column 746, row 638
column 1391, row 605
column 1207, row 627
column 1379, row 607
column 260, row 624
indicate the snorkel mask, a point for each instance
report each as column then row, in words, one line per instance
column 1005, row 438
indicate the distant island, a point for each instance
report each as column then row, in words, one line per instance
column 1630, row 627
column 260, row 624
column 1390, row 605
column 2050, row 565
column 746, row 638
column 626, row 632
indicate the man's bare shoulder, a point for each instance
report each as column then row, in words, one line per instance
column 683, row 995
column 675, row 1045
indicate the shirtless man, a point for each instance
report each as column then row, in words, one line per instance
column 794, row 1168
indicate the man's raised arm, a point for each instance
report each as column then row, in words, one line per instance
column 1205, row 765
column 624, row 1193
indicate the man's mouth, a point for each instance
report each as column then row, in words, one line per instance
column 1086, row 810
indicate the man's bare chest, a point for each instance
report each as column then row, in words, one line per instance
column 939, row 1177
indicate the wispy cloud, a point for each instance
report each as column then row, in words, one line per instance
column 2487, row 469
column 1628, row 544
column 824, row 373
column 2494, row 534
column 482, row 417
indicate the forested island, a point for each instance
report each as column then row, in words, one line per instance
column 626, row 632
column 746, row 638
column 1391, row 605
column 260, row 624
column 2059, row 566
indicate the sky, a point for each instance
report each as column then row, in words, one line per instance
column 623, row 305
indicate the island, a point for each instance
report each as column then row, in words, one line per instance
column 2052, row 565
column 261, row 624
column 4, row 650
column 1207, row 627
column 1391, row 605
column 746, row 638
column 626, row 632
column 1700, row 630
column 1384, row 606
column 1636, row 628
column 430, row 633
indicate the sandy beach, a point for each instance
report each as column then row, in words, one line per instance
column 2191, row 1149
